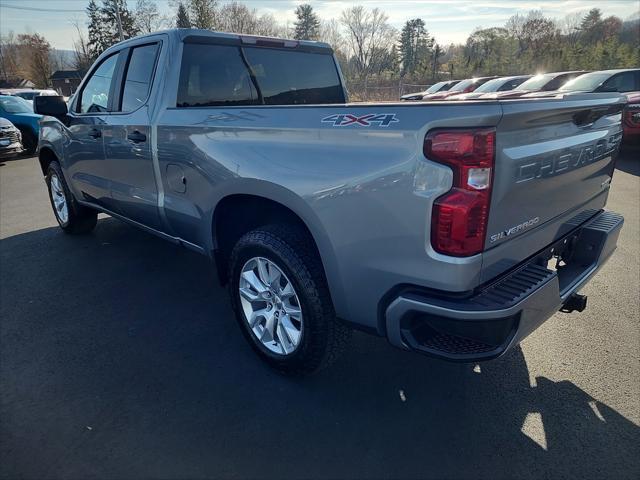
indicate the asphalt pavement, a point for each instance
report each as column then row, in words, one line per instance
column 120, row 358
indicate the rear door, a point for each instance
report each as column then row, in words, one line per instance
column 127, row 138
column 554, row 162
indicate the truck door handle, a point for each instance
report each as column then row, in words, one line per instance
column 137, row 137
column 95, row 133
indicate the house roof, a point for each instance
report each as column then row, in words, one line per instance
column 60, row 74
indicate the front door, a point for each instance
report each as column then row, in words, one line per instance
column 84, row 158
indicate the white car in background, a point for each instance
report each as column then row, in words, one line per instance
column 30, row 94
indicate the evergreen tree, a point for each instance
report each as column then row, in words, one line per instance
column 182, row 17
column 591, row 19
column 307, row 26
column 109, row 17
column 415, row 46
column 97, row 42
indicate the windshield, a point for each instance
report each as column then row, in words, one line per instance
column 586, row 82
column 27, row 95
column 534, row 83
column 15, row 105
column 435, row 88
column 491, row 85
column 462, row 85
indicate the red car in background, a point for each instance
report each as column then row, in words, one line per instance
column 631, row 119
column 543, row 82
column 465, row 86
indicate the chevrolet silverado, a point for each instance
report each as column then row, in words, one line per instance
column 453, row 229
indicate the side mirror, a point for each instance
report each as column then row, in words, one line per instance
column 53, row 106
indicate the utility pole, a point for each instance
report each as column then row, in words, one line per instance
column 119, row 20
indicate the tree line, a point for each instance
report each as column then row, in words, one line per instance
column 372, row 53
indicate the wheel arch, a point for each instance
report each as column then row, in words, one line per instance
column 46, row 155
column 235, row 214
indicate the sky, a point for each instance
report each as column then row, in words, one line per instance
column 449, row 21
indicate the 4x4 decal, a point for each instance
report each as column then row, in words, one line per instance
column 345, row 119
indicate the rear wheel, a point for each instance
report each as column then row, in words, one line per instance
column 72, row 217
column 282, row 301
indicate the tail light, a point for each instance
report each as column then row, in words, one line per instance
column 459, row 217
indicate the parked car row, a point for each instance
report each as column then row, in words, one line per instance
column 19, row 112
column 28, row 93
column 625, row 81
column 542, row 85
column 10, row 139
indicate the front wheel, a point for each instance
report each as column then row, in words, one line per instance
column 29, row 142
column 72, row 217
column 282, row 302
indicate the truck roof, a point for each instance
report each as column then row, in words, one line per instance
column 193, row 33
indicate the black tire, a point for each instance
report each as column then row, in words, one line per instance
column 80, row 219
column 29, row 142
column 323, row 337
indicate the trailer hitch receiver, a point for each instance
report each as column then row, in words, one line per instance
column 575, row 302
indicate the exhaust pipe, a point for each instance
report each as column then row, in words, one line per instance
column 575, row 302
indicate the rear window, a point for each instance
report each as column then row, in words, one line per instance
column 222, row 75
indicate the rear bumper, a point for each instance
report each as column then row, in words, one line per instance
column 503, row 312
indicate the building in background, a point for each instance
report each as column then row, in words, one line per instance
column 66, row 81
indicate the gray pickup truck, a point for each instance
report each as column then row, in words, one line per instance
column 453, row 229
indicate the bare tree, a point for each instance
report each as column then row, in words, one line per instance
column 236, row 17
column 37, row 50
column 82, row 58
column 268, row 26
column 368, row 36
column 330, row 33
column 9, row 57
column 147, row 18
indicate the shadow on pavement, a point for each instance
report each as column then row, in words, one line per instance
column 120, row 358
column 629, row 159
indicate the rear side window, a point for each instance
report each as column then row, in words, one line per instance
column 138, row 77
column 290, row 77
column 214, row 75
column 222, row 75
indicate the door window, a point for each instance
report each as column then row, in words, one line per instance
column 295, row 77
column 213, row 75
column 95, row 94
column 138, row 77
column 623, row 82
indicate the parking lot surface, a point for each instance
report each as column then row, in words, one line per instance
column 120, row 358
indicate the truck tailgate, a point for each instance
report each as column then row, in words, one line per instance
column 554, row 162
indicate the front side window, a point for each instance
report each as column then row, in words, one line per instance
column 137, row 81
column 95, row 94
